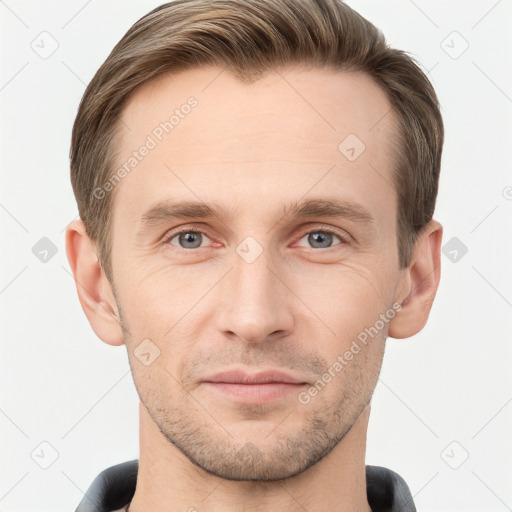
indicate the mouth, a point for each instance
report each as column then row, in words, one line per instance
column 256, row 388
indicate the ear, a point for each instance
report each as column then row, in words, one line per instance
column 94, row 290
column 419, row 283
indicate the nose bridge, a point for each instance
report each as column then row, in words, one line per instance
column 251, row 272
column 253, row 296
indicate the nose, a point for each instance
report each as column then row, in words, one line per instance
column 255, row 302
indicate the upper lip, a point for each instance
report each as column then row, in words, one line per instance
column 262, row 377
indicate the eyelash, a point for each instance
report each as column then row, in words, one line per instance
column 322, row 229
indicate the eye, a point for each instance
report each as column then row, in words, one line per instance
column 193, row 238
column 322, row 238
column 187, row 239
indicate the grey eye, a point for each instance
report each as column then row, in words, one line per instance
column 189, row 239
column 320, row 239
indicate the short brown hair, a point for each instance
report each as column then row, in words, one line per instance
column 249, row 38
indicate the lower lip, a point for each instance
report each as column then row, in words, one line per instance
column 255, row 393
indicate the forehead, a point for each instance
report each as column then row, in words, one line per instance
column 208, row 136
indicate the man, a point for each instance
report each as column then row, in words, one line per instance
column 256, row 182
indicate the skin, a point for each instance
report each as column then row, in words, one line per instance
column 255, row 149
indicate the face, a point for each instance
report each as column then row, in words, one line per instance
column 254, row 242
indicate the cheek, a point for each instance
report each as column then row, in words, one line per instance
column 155, row 384
column 344, row 308
column 166, row 306
column 347, row 293
column 157, row 297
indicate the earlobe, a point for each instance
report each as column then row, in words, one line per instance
column 94, row 290
column 420, row 280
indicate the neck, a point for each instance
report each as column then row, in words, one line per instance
column 168, row 481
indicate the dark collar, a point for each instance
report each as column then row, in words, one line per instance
column 114, row 488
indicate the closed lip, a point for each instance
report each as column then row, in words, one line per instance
column 262, row 377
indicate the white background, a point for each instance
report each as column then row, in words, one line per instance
column 61, row 385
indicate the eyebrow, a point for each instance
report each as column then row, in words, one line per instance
column 325, row 207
